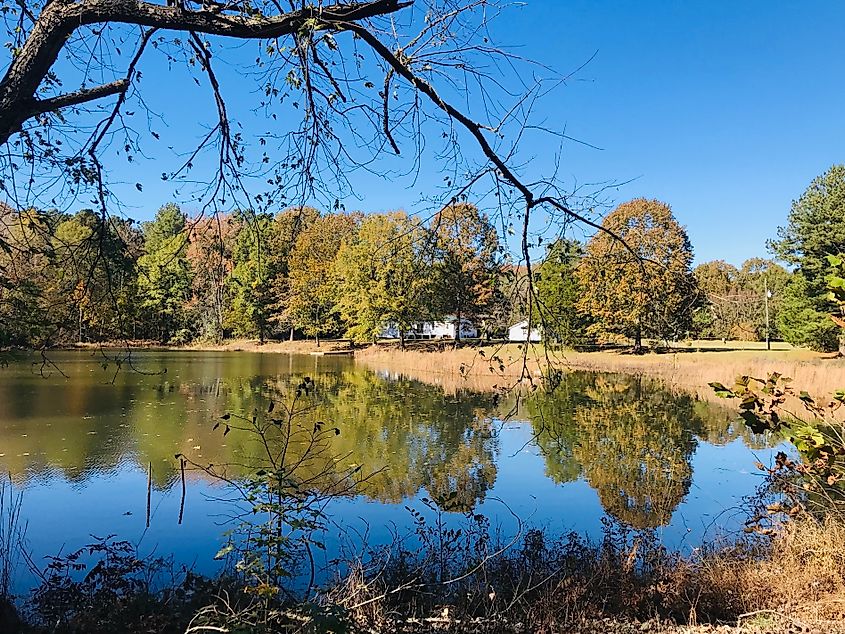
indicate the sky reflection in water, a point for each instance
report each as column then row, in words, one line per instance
column 79, row 446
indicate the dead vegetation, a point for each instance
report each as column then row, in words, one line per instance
column 485, row 368
column 794, row 581
column 467, row 576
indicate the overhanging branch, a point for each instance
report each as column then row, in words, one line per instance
column 59, row 19
column 77, row 97
column 216, row 23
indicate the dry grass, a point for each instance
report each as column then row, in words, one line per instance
column 283, row 347
column 794, row 582
column 815, row 372
column 801, row 573
column 479, row 369
column 472, row 368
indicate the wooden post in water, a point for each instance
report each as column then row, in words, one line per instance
column 149, row 490
column 182, row 502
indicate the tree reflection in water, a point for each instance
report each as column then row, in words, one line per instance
column 628, row 437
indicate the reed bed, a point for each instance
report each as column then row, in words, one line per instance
column 477, row 369
column 486, row 368
column 11, row 533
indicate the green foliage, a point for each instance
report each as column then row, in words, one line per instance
column 290, row 477
column 815, row 227
column 815, row 230
column 804, row 318
column 287, row 228
column 93, row 269
column 262, row 275
column 107, row 587
column 251, row 280
column 164, row 279
column 384, row 276
column 558, row 290
column 818, row 433
column 313, row 281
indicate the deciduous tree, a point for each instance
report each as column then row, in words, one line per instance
column 313, row 280
column 346, row 86
column 734, row 300
column 26, row 256
column 287, row 227
column 636, row 274
column 385, row 276
column 210, row 254
column 165, row 275
column 466, row 261
column 92, row 267
column 251, row 282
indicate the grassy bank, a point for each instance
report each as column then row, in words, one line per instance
column 231, row 345
column 488, row 367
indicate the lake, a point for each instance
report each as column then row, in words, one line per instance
column 78, row 439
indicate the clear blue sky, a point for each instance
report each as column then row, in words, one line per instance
column 725, row 110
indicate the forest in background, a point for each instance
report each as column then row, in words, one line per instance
column 303, row 273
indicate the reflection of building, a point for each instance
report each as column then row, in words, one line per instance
column 446, row 329
column 519, row 332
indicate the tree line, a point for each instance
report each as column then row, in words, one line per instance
column 303, row 273
column 802, row 310
column 175, row 279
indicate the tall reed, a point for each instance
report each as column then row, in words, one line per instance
column 11, row 534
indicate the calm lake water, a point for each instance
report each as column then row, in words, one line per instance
column 78, row 446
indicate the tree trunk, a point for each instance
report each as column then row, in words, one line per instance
column 401, row 339
column 458, row 329
column 291, row 334
column 317, row 339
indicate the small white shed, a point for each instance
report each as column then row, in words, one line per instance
column 519, row 332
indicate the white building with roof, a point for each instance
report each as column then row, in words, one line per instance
column 519, row 332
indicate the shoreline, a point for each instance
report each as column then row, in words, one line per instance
column 688, row 370
column 491, row 367
column 738, row 587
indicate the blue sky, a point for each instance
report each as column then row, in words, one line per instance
column 725, row 110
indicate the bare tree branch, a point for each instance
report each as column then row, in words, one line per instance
column 61, row 18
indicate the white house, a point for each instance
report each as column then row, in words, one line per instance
column 447, row 329
column 519, row 332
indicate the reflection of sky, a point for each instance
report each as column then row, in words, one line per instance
column 722, row 477
column 61, row 515
column 67, row 502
